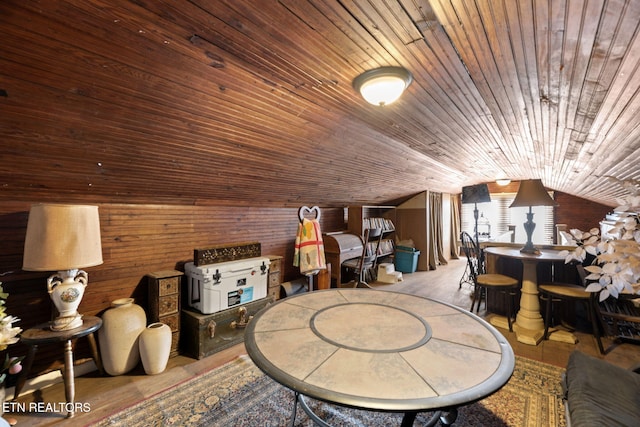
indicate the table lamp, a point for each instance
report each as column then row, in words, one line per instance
column 531, row 193
column 476, row 194
column 63, row 238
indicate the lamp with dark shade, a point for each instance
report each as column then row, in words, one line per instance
column 63, row 238
column 476, row 194
column 531, row 193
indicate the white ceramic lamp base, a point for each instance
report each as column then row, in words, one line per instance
column 66, row 289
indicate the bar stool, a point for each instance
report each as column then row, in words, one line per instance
column 483, row 281
column 563, row 292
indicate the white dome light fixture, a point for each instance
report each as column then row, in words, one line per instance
column 384, row 85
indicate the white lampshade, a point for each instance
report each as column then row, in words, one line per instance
column 62, row 237
column 384, row 85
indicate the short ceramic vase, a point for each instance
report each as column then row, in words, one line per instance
column 155, row 346
column 122, row 325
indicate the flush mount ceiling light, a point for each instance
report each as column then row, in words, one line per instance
column 384, row 85
column 503, row 181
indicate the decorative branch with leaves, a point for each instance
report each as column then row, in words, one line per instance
column 613, row 261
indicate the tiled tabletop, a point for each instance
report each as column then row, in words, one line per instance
column 379, row 350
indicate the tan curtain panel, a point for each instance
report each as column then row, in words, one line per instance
column 455, row 227
column 436, row 255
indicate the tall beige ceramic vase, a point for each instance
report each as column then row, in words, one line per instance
column 122, row 325
column 155, row 346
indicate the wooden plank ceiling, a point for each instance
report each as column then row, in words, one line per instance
column 251, row 102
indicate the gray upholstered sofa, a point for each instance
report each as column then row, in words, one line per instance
column 598, row 393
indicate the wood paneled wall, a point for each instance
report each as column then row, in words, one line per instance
column 136, row 240
column 141, row 238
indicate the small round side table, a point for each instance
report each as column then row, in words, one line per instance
column 42, row 334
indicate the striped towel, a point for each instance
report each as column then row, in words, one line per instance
column 309, row 248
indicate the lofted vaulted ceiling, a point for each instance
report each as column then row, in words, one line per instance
column 241, row 101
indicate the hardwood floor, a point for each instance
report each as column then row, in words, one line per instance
column 102, row 396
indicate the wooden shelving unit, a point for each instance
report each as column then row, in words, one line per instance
column 360, row 218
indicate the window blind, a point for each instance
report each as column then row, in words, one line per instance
column 500, row 216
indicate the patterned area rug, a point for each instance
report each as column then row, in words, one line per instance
column 239, row 394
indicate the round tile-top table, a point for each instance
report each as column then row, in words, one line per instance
column 529, row 326
column 379, row 350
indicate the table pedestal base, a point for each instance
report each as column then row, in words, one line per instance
column 529, row 325
column 533, row 337
column 523, row 335
column 528, row 336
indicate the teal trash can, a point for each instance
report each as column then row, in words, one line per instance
column 406, row 259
